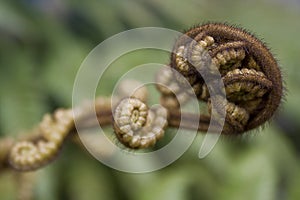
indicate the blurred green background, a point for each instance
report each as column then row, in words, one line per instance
column 42, row 44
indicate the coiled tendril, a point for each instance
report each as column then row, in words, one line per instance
column 33, row 154
column 251, row 76
column 136, row 126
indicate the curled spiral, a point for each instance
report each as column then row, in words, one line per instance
column 251, row 75
column 31, row 155
column 136, row 126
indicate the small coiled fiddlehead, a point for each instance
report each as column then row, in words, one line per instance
column 30, row 155
column 136, row 126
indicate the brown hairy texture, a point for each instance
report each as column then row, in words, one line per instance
column 248, row 70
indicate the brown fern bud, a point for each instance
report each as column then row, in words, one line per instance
column 136, row 126
column 250, row 73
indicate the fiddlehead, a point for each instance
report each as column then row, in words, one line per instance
column 136, row 126
column 30, row 155
column 251, row 76
column 252, row 83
